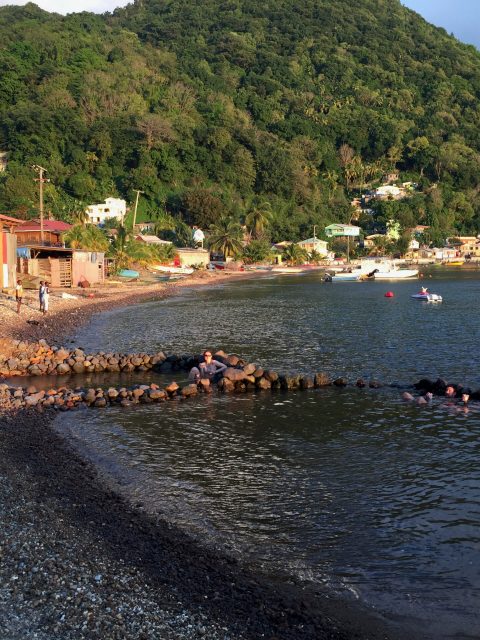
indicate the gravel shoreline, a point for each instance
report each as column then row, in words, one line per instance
column 78, row 561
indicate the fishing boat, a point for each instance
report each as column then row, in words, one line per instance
column 173, row 270
column 128, row 273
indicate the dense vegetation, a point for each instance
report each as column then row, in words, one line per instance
column 214, row 108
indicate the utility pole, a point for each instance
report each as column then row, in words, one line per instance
column 40, row 181
column 138, row 192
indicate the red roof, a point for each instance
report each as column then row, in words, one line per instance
column 9, row 219
column 55, row 226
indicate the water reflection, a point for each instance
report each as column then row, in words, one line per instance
column 298, row 323
column 352, row 489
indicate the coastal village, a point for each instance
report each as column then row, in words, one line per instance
column 68, row 257
column 239, row 268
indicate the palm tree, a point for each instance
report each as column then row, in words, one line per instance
column 127, row 252
column 226, row 237
column 258, row 218
column 294, row 254
column 88, row 238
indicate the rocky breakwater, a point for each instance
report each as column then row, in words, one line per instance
column 239, row 376
column 18, row 358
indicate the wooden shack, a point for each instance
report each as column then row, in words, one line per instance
column 61, row 266
column 8, row 251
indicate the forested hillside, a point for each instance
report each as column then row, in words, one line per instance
column 209, row 107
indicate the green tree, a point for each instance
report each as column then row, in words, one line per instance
column 226, row 237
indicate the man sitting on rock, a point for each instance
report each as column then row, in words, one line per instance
column 210, row 369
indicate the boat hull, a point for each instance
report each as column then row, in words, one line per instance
column 396, row 274
column 173, row 270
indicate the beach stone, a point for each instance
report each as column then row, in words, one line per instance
column 172, row 388
column 289, row 382
column 321, row 380
column 158, row 395
column 34, row 370
column 204, row 384
column 78, row 367
column 360, row 383
column 61, row 354
column 34, row 399
column 137, row 393
column 100, row 402
column 251, row 379
column 375, row 384
column 234, row 374
column 306, row 383
column 233, row 360
column 63, row 368
column 12, row 363
column 258, row 373
column 340, row 382
column 189, row 390
column 271, row 376
column 31, row 389
column 18, row 393
column 249, row 368
column 263, row 383
column 112, row 393
column 226, row 385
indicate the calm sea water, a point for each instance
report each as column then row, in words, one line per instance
column 352, row 489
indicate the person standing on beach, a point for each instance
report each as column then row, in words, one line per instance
column 46, row 298
column 19, row 295
column 41, row 294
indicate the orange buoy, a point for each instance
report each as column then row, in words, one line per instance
column 389, row 294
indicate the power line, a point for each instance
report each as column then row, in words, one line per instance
column 40, row 181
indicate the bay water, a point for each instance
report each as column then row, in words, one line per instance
column 352, row 489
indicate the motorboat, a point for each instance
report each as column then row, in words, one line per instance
column 374, row 269
column 427, row 296
column 395, row 274
column 173, row 270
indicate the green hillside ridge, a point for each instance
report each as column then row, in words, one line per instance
column 212, row 108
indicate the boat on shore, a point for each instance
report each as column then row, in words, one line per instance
column 374, row 270
column 173, row 270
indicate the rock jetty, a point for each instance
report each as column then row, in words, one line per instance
column 41, row 359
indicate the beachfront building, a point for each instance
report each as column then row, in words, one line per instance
column 467, row 245
column 62, row 266
column 115, row 208
column 151, row 239
column 8, row 252
column 30, row 232
column 193, row 257
column 314, row 244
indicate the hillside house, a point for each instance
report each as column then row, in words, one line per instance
column 8, row 251
column 3, row 160
column 151, row 240
column 314, row 244
column 115, row 208
column 389, row 191
column 30, row 232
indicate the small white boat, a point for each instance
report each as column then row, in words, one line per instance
column 396, row 274
column 174, row 270
column 427, row 297
column 287, row 270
